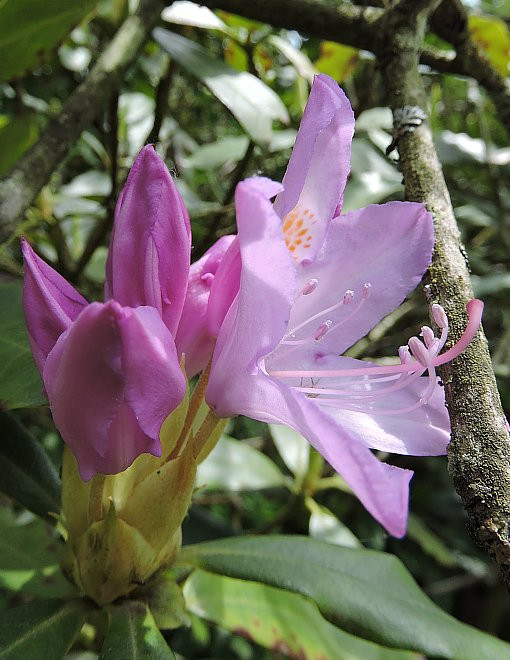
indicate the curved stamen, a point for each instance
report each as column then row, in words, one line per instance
column 346, row 299
column 474, row 310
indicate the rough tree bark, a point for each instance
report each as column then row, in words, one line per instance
column 479, row 452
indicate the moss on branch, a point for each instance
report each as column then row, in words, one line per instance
column 479, row 452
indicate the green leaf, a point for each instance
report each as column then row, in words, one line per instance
column 16, row 137
column 299, row 60
column 215, row 154
column 133, row 634
column 253, row 103
column 373, row 178
column 188, row 13
column 26, row 472
column 29, row 561
column 20, row 384
column 337, row 60
column 367, row 593
column 166, row 603
column 30, row 30
column 325, row 526
column 41, row 629
column 279, row 620
column 430, row 542
column 492, row 36
column 292, row 447
column 233, row 465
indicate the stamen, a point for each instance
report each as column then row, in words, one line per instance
column 439, row 316
column 364, row 297
column 474, row 310
column 348, row 296
column 428, row 336
column 321, row 313
column 366, row 290
column 404, row 354
column 309, row 287
column 322, row 329
column 418, row 351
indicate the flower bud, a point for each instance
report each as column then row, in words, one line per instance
column 122, row 529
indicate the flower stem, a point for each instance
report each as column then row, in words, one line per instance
column 206, row 430
column 194, row 406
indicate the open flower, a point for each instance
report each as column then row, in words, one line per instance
column 111, row 370
column 311, row 284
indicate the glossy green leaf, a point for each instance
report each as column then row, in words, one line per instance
column 373, row 178
column 325, row 526
column 292, row 447
column 29, row 561
column 16, row 137
column 279, row 620
column 133, row 635
column 215, row 154
column 492, row 36
column 42, row 629
column 183, row 12
column 233, row 465
column 253, row 103
column 31, row 29
column 370, row 594
column 29, row 476
column 299, row 60
column 26, row 472
column 337, row 60
column 20, row 384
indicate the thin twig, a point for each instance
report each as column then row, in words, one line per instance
column 103, row 227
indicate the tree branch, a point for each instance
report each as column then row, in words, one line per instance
column 35, row 167
column 347, row 24
column 360, row 27
column 479, row 452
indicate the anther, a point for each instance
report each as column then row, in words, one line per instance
column 366, row 290
column 322, row 329
column 439, row 316
column 348, row 296
column 418, row 351
column 309, row 287
column 404, row 354
column 428, row 336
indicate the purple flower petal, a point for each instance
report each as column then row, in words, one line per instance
column 328, row 110
column 50, row 304
column 388, row 246
column 383, row 489
column 193, row 338
column 267, row 282
column 148, row 260
column 224, row 288
column 307, row 223
column 112, row 379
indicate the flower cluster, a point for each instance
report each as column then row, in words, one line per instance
column 276, row 307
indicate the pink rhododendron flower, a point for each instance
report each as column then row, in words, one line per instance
column 111, row 370
column 312, row 283
column 194, row 337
